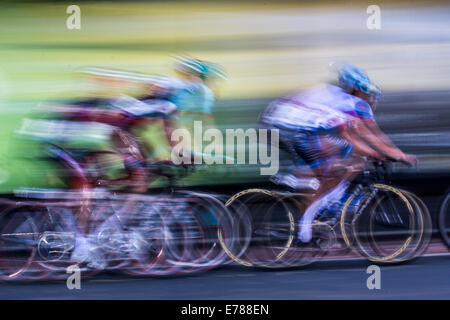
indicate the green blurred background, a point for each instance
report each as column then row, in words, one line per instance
column 268, row 49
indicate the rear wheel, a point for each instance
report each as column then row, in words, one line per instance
column 272, row 229
column 444, row 219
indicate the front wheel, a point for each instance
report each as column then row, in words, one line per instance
column 384, row 224
column 444, row 219
column 18, row 244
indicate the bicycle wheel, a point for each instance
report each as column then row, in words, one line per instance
column 420, row 229
column 303, row 254
column 444, row 219
column 236, row 242
column 18, row 244
column 384, row 224
column 163, row 236
column 55, row 243
column 424, row 227
column 208, row 215
column 57, row 230
column 272, row 228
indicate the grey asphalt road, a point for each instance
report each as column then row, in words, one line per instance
column 423, row 278
column 426, row 277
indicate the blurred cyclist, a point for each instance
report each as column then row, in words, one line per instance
column 170, row 102
column 191, row 92
column 320, row 127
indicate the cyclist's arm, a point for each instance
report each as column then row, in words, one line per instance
column 368, row 135
column 169, row 126
column 365, row 114
column 358, row 144
column 375, row 129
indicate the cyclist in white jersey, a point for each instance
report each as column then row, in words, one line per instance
column 321, row 127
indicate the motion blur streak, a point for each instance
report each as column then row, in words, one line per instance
column 95, row 99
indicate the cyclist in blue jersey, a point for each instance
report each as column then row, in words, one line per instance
column 190, row 92
column 172, row 98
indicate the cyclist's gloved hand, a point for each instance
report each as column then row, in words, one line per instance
column 409, row 159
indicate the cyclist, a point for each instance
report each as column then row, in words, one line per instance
column 179, row 101
column 191, row 92
column 321, row 127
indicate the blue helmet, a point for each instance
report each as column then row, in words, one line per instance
column 206, row 70
column 354, row 78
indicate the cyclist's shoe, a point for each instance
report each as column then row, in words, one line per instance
column 318, row 235
column 338, row 245
column 323, row 236
column 84, row 252
column 95, row 261
column 293, row 183
column 287, row 182
column 81, row 251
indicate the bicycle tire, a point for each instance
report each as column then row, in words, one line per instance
column 444, row 219
column 275, row 253
column 425, row 232
column 9, row 224
column 370, row 251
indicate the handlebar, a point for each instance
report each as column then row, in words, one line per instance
column 378, row 170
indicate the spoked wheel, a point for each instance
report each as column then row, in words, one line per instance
column 204, row 216
column 162, row 239
column 444, row 219
column 57, row 230
column 56, row 240
column 302, row 254
column 18, row 244
column 423, row 232
column 384, row 224
column 272, row 229
column 235, row 241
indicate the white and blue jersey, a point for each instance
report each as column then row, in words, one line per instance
column 338, row 99
column 294, row 113
column 304, row 117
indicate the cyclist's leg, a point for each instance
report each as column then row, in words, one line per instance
column 131, row 154
column 294, row 172
column 331, row 171
column 76, row 180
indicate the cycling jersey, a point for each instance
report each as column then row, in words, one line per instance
column 187, row 95
column 338, row 99
column 293, row 113
column 193, row 96
column 307, row 117
column 138, row 108
column 191, row 100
